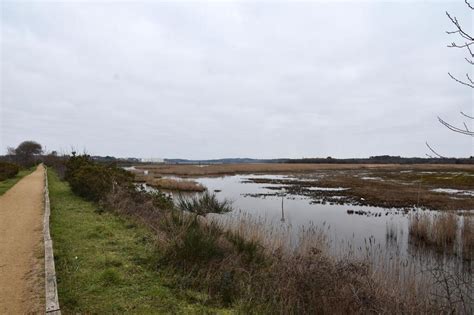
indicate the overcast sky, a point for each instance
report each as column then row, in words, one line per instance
column 233, row 79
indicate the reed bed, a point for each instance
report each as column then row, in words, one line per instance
column 467, row 237
column 441, row 232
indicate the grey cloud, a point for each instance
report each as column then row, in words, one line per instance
column 208, row 80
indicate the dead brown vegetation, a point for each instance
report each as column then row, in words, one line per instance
column 230, row 169
column 440, row 231
column 398, row 191
column 175, row 184
column 467, row 236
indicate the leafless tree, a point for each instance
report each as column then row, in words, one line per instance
column 465, row 41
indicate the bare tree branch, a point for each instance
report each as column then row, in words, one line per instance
column 469, row 5
column 461, row 82
column 470, row 80
column 468, row 41
column 456, row 129
column 466, row 115
column 436, row 153
column 459, row 30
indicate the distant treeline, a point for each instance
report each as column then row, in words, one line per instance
column 381, row 159
column 385, row 159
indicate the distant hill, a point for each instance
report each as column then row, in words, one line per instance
column 385, row 159
column 380, row 159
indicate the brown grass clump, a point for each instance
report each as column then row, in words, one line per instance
column 175, row 184
column 467, row 236
column 445, row 229
column 420, row 228
column 440, row 232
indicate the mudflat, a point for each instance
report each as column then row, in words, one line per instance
column 21, row 246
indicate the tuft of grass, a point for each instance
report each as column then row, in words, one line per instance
column 9, row 183
column 110, row 277
column 445, row 229
column 203, row 204
column 106, row 265
column 467, row 237
column 440, row 231
column 420, row 228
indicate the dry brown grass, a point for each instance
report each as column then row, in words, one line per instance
column 397, row 192
column 440, row 231
column 445, row 227
column 420, row 228
column 467, row 236
column 266, row 270
column 229, row 169
column 175, row 184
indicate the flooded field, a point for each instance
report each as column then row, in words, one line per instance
column 353, row 205
column 406, row 241
column 302, row 200
column 272, row 202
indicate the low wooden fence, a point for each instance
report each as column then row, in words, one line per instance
column 51, row 287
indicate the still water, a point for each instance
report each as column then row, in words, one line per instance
column 295, row 210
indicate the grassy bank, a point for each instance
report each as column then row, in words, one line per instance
column 9, row 183
column 107, row 265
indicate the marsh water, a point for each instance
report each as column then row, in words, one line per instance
column 362, row 230
column 261, row 200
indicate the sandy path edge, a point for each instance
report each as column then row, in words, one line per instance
column 21, row 246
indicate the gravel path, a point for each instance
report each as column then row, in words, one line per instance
column 21, row 246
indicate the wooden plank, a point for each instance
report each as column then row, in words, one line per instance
column 51, row 287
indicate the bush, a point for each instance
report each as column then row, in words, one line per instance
column 190, row 242
column 58, row 163
column 94, row 181
column 8, row 170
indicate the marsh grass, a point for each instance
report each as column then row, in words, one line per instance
column 175, row 184
column 467, row 236
column 444, row 232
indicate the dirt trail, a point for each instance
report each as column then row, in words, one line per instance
column 21, row 246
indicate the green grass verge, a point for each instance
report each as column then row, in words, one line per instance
column 105, row 264
column 9, row 183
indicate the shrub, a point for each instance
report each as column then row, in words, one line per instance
column 8, row 170
column 56, row 162
column 158, row 198
column 94, row 181
column 189, row 241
